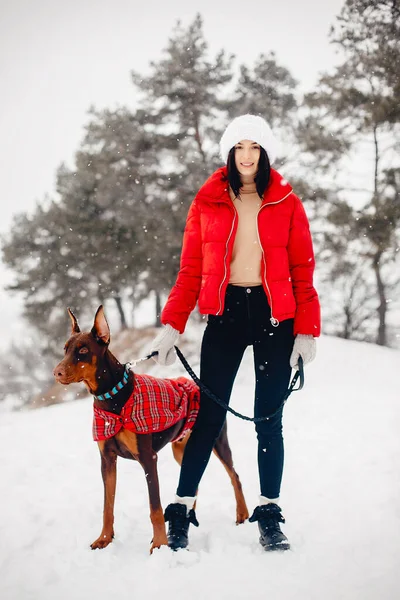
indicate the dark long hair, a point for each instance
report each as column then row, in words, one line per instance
column 262, row 176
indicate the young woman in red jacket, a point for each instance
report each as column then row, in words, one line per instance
column 247, row 260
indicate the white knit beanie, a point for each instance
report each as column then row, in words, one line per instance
column 249, row 127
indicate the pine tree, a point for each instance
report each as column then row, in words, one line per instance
column 267, row 89
column 87, row 246
column 182, row 100
column 359, row 103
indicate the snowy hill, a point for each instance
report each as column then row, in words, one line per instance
column 340, row 497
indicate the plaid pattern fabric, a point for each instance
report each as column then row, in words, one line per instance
column 155, row 405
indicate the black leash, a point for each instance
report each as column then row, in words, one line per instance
column 210, row 394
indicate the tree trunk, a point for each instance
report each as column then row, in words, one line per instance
column 382, row 308
column 100, row 294
column 121, row 312
column 347, row 322
column 157, row 322
column 198, row 140
column 133, row 314
column 376, row 166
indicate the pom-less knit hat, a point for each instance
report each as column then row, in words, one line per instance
column 249, row 127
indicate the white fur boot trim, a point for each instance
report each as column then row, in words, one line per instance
column 188, row 501
column 265, row 500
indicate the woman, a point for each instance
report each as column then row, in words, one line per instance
column 247, row 259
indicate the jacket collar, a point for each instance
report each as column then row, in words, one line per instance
column 215, row 189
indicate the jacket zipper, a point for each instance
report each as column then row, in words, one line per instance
column 226, row 256
column 273, row 320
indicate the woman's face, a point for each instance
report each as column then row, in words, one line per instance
column 247, row 155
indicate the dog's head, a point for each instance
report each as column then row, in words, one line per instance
column 84, row 351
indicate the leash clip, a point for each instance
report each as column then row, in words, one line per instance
column 129, row 365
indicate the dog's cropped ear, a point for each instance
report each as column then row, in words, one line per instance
column 100, row 329
column 75, row 326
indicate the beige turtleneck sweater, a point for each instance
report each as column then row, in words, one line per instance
column 246, row 258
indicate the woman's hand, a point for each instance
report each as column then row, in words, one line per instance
column 304, row 346
column 164, row 344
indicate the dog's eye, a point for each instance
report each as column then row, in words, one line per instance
column 83, row 350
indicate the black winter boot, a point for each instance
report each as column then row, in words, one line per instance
column 271, row 537
column 179, row 523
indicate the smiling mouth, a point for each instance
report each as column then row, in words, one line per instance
column 247, row 164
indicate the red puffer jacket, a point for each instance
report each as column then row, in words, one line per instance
column 287, row 256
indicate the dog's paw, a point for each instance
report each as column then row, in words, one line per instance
column 102, row 541
column 242, row 516
column 158, row 543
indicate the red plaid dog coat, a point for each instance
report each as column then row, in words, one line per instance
column 154, row 405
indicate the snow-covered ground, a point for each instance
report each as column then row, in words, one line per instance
column 341, row 493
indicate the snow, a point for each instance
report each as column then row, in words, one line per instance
column 340, row 498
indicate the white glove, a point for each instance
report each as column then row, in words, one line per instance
column 164, row 344
column 304, row 346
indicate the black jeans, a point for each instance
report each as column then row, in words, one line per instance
column 245, row 321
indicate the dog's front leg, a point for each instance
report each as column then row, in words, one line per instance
column 148, row 460
column 109, row 474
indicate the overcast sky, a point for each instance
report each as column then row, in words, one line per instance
column 57, row 58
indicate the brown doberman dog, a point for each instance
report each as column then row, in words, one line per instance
column 88, row 359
